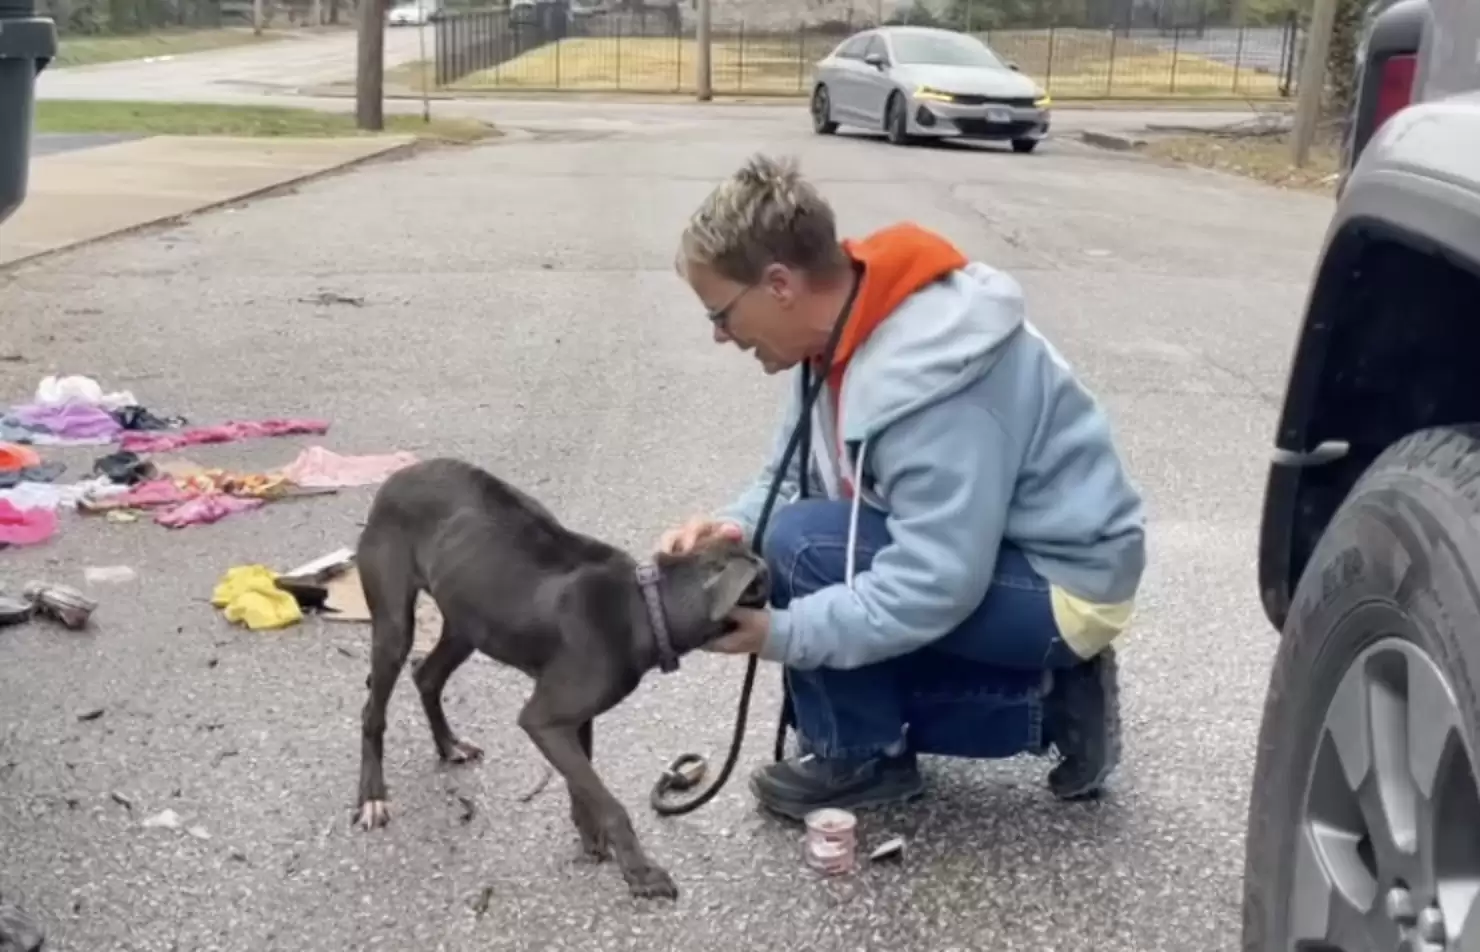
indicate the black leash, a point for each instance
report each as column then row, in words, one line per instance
column 687, row 770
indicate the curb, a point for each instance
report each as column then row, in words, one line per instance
column 268, row 191
column 1111, row 140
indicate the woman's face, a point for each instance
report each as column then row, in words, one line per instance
column 754, row 317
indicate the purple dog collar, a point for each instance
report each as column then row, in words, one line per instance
column 647, row 580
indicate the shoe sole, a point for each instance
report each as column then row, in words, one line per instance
column 1109, row 675
column 798, row 812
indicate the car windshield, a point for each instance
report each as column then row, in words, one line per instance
column 943, row 49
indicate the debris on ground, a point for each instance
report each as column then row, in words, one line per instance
column 61, row 603
column 326, row 298
column 13, row 610
column 163, row 820
column 890, row 849
column 108, row 574
column 249, row 595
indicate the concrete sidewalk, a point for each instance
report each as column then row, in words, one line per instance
column 80, row 196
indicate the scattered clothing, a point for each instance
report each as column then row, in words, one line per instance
column 40, row 473
column 137, row 417
column 69, row 422
column 79, row 389
column 319, row 468
column 202, row 481
column 26, row 495
column 225, row 433
column 248, row 595
column 205, row 509
column 25, row 526
column 15, row 457
column 125, row 468
column 146, row 495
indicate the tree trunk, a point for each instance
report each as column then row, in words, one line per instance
column 1341, row 60
column 370, row 75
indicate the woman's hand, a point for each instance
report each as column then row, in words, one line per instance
column 752, row 626
column 696, row 532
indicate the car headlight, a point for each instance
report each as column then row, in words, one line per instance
column 935, row 95
column 1044, row 101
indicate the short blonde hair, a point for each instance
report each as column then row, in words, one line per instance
column 765, row 213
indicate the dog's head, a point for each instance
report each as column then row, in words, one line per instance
column 708, row 583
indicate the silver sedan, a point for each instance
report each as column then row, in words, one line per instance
column 913, row 81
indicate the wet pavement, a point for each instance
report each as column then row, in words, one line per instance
column 520, row 310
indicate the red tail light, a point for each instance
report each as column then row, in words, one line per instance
column 1394, row 87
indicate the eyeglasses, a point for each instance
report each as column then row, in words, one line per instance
column 720, row 317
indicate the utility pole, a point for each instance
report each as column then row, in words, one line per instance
column 370, row 71
column 703, row 80
column 1312, row 81
column 257, row 17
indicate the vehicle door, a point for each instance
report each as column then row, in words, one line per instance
column 845, row 79
column 875, row 84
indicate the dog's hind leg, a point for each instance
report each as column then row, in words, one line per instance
column 390, row 592
column 431, row 677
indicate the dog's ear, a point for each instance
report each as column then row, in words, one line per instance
column 726, row 586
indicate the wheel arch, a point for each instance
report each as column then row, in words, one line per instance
column 1391, row 332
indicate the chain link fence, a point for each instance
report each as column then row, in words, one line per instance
column 551, row 46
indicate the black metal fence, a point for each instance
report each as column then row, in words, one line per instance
column 548, row 48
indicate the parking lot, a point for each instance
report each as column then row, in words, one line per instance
column 519, row 309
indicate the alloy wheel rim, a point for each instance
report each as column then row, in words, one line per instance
column 819, row 106
column 1387, row 852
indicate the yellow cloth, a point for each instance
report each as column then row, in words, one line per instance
column 248, row 594
column 1088, row 628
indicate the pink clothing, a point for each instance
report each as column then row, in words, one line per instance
column 318, row 468
column 205, row 509
column 139, row 441
column 25, row 526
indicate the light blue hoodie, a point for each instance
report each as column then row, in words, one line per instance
column 967, row 429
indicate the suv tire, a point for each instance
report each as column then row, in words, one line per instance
column 1365, row 793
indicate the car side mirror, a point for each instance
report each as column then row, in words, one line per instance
column 876, row 60
column 1014, row 67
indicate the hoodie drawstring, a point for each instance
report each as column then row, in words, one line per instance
column 852, row 549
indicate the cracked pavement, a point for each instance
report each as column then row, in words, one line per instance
column 521, row 311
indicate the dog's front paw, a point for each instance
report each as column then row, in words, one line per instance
column 651, row 882
column 373, row 815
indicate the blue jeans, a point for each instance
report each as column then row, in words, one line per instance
column 976, row 692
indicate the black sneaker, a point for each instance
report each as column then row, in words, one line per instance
column 797, row 786
column 1082, row 717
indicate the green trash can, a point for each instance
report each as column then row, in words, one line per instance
column 27, row 44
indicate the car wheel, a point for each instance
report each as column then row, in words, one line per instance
column 896, row 124
column 1365, row 805
column 822, row 123
column 1024, row 146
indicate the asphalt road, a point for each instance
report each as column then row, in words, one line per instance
column 280, row 66
column 517, row 312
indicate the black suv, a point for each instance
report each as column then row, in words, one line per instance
column 1364, row 820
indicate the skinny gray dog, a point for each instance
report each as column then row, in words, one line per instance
column 583, row 619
